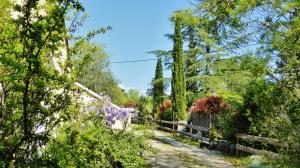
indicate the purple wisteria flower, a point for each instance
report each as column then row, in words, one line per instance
column 113, row 113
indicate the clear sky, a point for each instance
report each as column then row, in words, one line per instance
column 138, row 26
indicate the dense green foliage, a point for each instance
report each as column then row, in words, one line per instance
column 86, row 142
column 43, row 122
column 178, row 78
column 91, row 64
column 31, row 105
column 145, row 108
column 190, row 33
column 191, row 63
column 133, row 95
column 132, row 98
column 270, row 104
column 158, row 86
column 246, row 52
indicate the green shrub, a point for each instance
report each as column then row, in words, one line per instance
column 268, row 110
column 89, row 143
column 167, row 115
column 145, row 108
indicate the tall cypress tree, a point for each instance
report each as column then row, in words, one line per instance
column 178, row 79
column 158, row 86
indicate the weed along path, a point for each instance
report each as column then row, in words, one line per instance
column 174, row 154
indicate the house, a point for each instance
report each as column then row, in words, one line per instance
column 86, row 96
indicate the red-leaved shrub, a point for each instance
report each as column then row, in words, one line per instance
column 167, row 104
column 210, row 104
column 165, row 110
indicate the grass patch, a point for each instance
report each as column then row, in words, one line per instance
column 249, row 161
column 182, row 139
column 145, row 129
column 236, row 161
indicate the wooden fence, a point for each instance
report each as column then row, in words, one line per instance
column 189, row 134
column 251, row 150
column 239, row 136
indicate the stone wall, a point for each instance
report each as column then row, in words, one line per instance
column 200, row 119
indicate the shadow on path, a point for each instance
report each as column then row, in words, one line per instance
column 171, row 153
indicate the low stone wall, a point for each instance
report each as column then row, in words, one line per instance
column 200, row 119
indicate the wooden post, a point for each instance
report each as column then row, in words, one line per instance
column 210, row 127
column 173, row 126
column 191, row 130
column 236, row 150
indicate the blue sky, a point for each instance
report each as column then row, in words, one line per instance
column 138, row 26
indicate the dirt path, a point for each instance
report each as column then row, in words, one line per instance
column 171, row 154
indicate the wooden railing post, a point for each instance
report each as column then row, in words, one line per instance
column 236, row 150
column 173, row 127
column 191, row 130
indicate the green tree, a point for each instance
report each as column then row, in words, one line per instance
column 178, row 78
column 192, row 72
column 133, row 94
column 158, row 86
column 190, row 25
column 272, row 101
column 145, row 108
column 91, row 64
column 220, row 36
column 119, row 96
column 132, row 100
column 192, row 62
column 35, row 98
